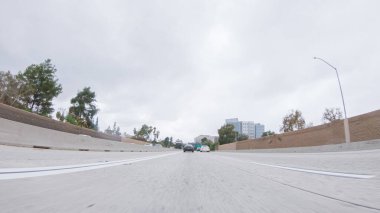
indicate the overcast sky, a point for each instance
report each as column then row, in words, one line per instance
column 186, row 66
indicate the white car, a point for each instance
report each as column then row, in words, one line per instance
column 205, row 148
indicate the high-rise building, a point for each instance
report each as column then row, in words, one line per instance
column 247, row 127
column 259, row 130
column 236, row 123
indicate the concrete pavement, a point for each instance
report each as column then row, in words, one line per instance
column 193, row 182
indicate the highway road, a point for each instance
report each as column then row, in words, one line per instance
column 34, row 180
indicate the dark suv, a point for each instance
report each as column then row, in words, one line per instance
column 188, row 147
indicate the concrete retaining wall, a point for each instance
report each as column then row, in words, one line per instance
column 230, row 146
column 362, row 128
column 19, row 134
column 22, row 116
column 129, row 140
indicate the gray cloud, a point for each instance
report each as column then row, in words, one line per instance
column 185, row 66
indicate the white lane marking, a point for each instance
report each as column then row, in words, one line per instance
column 16, row 173
column 337, row 174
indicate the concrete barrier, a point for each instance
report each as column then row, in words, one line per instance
column 24, row 135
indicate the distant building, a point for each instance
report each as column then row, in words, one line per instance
column 247, row 127
column 259, row 130
column 209, row 137
column 178, row 144
column 236, row 123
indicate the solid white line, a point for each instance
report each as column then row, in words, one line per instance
column 16, row 173
column 337, row 174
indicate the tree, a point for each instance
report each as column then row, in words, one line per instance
column 40, row 87
column 213, row 146
column 331, row 115
column 226, row 134
column 156, row 134
column 11, row 89
column 209, row 143
column 167, row 142
column 83, row 108
column 96, row 127
column 242, row 137
column 60, row 115
column 108, row 130
column 143, row 133
column 204, row 141
column 293, row 121
column 70, row 118
column 114, row 131
column 267, row 133
column 118, row 133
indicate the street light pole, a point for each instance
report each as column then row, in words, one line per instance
column 346, row 125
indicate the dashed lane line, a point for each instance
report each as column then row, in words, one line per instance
column 16, row 173
column 336, row 174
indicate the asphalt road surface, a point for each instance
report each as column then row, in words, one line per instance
column 33, row 180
